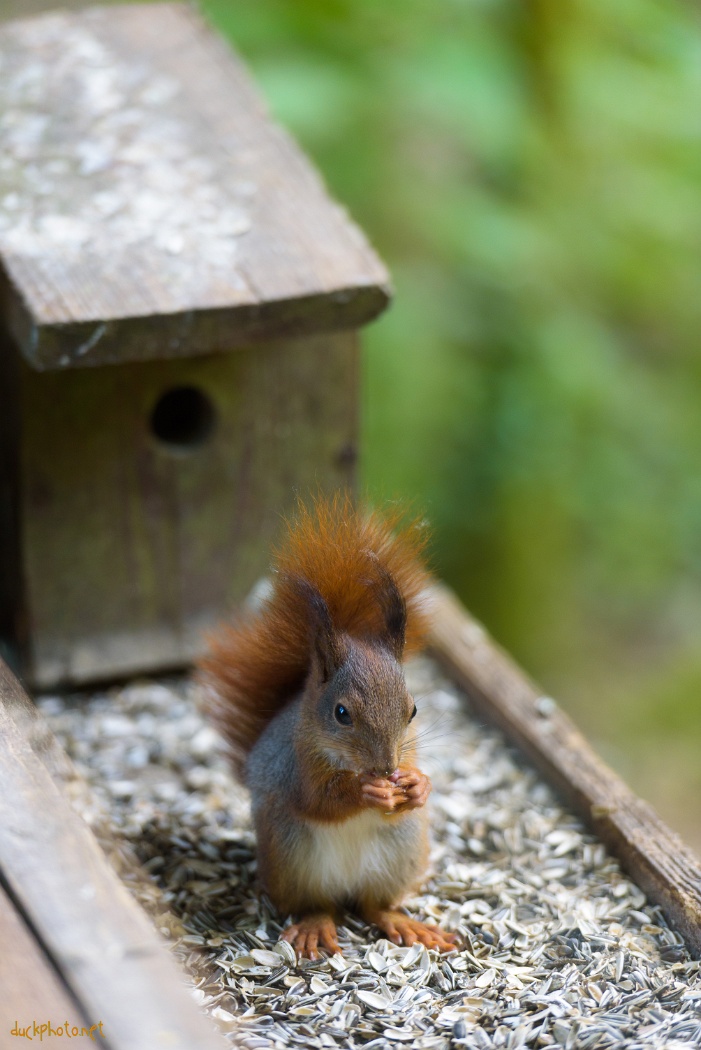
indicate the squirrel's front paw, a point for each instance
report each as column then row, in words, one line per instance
column 405, row 789
column 416, row 788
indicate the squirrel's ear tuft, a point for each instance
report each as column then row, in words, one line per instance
column 393, row 607
column 325, row 645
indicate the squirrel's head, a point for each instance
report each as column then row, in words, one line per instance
column 356, row 701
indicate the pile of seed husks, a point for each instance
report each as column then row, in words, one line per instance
column 559, row 948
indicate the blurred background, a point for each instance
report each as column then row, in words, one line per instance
column 531, row 173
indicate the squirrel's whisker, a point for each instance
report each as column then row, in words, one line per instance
column 433, row 732
column 439, row 722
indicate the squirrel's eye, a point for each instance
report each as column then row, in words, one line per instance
column 342, row 715
column 413, row 713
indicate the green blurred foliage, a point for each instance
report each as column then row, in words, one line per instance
column 530, row 170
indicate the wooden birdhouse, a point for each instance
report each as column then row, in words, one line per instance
column 179, row 306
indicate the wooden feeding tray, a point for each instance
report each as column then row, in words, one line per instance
column 82, row 947
column 77, row 948
column 655, row 856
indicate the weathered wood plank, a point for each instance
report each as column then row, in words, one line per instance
column 13, row 622
column 657, row 859
column 92, row 930
column 151, row 207
column 32, row 991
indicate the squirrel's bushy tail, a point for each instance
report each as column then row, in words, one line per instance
column 254, row 667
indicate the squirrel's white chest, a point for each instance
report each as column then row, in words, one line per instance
column 344, row 860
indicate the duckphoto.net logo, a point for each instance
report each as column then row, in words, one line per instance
column 40, row 1030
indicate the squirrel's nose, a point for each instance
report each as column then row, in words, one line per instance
column 382, row 772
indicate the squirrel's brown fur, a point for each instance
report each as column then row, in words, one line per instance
column 254, row 667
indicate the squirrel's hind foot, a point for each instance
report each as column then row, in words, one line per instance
column 310, row 933
column 400, row 929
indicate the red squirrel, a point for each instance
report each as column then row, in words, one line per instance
column 311, row 697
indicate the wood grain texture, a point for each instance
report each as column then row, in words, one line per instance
column 132, row 549
column 110, row 957
column 13, row 623
column 657, row 859
column 32, row 991
column 151, row 208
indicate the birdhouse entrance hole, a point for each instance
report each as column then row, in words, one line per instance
column 183, row 418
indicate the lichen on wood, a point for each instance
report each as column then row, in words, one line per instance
column 141, row 177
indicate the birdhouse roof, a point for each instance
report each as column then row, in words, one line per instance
column 149, row 207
